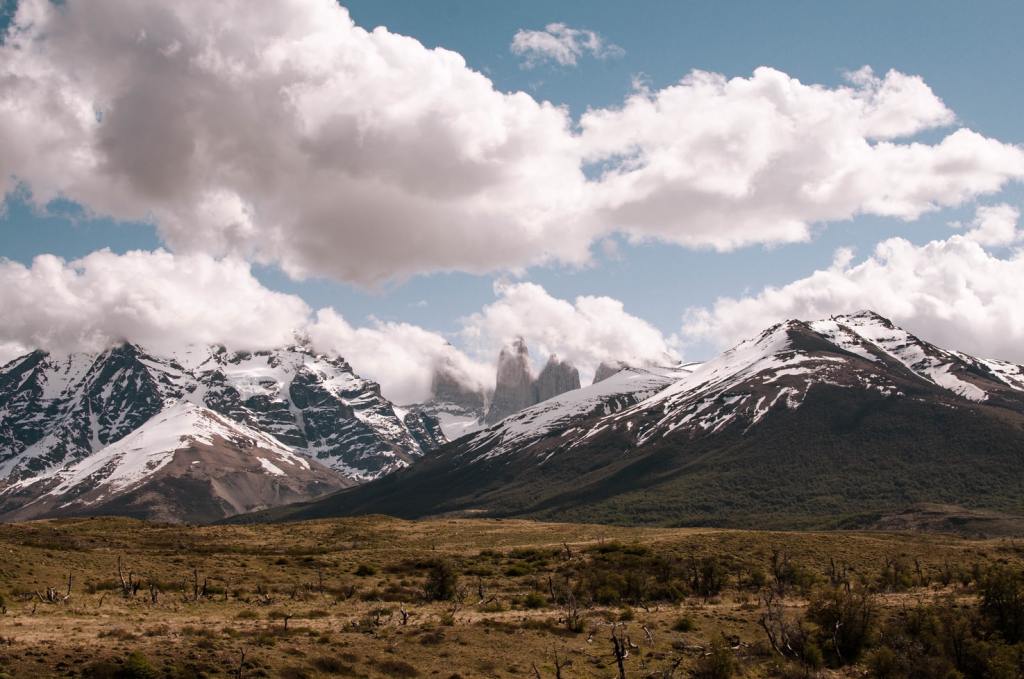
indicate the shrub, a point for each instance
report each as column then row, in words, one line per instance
column 684, row 624
column 135, row 666
column 396, row 668
column 846, row 619
column 720, row 663
column 1002, row 602
column 442, row 581
column 534, row 600
column 364, row 570
column 329, row 665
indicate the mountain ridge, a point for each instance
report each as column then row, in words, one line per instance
column 808, row 424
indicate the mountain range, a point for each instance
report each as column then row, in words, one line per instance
column 845, row 421
column 87, row 433
column 207, row 433
column 836, row 422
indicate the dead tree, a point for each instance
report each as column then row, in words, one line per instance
column 620, row 648
column 785, row 638
column 129, row 586
column 573, row 619
column 559, row 664
column 241, row 665
column 52, row 596
column 198, row 591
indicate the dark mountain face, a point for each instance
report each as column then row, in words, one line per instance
column 810, row 424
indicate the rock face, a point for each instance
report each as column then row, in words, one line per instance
column 446, row 387
column 516, row 389
column 606, row 370
column 59, row 411
column 513, row 388
column 556, row 378
column 457, row 408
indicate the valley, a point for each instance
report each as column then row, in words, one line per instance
column 381, row 597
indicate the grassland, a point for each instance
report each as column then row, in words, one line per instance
column 379, row 597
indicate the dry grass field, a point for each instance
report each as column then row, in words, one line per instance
column 379, row 597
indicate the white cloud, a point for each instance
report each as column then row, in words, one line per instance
column 157, row 299
column 284, row 134
column 289, row 135
column 951, row 292
column 722, row 163
column 586, row 331
column 994, row 225
column 561, row 44
column 400, row 356
column 165, row 301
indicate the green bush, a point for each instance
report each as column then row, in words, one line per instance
column 363, row 570
column 1002, row 602
column 846, row 619
column 720, row 663
column 442, row 581
column 684, row 624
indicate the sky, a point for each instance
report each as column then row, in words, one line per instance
column 643, row 182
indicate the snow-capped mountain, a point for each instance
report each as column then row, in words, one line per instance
column 58, row 411
column 186, row 463
column 810, row 423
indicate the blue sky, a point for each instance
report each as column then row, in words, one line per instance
column 968, row 53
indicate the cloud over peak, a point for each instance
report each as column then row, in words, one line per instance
column 952, row 292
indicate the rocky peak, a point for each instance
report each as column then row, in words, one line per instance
column 606, row 369
column 556, row 378
column 513, row 387
column 446, row 387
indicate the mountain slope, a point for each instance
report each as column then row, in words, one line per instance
column 56, row 411
column 68, row 423
column 808, row 424
column 186, row 463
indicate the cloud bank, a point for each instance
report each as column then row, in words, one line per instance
column 292, row 136
column 165, row 301
column 156, row 299
column 952, row 292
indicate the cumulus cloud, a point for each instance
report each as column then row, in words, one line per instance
column 284, row 135
column 400, row 356
column 586, row 331
column 165, row 301
column 952, row 292
column 994, row 225
column 724, row 163
column 291, row 136
column 561, row 44
column 156, row 298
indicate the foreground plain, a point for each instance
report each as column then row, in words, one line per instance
column 380, row 597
